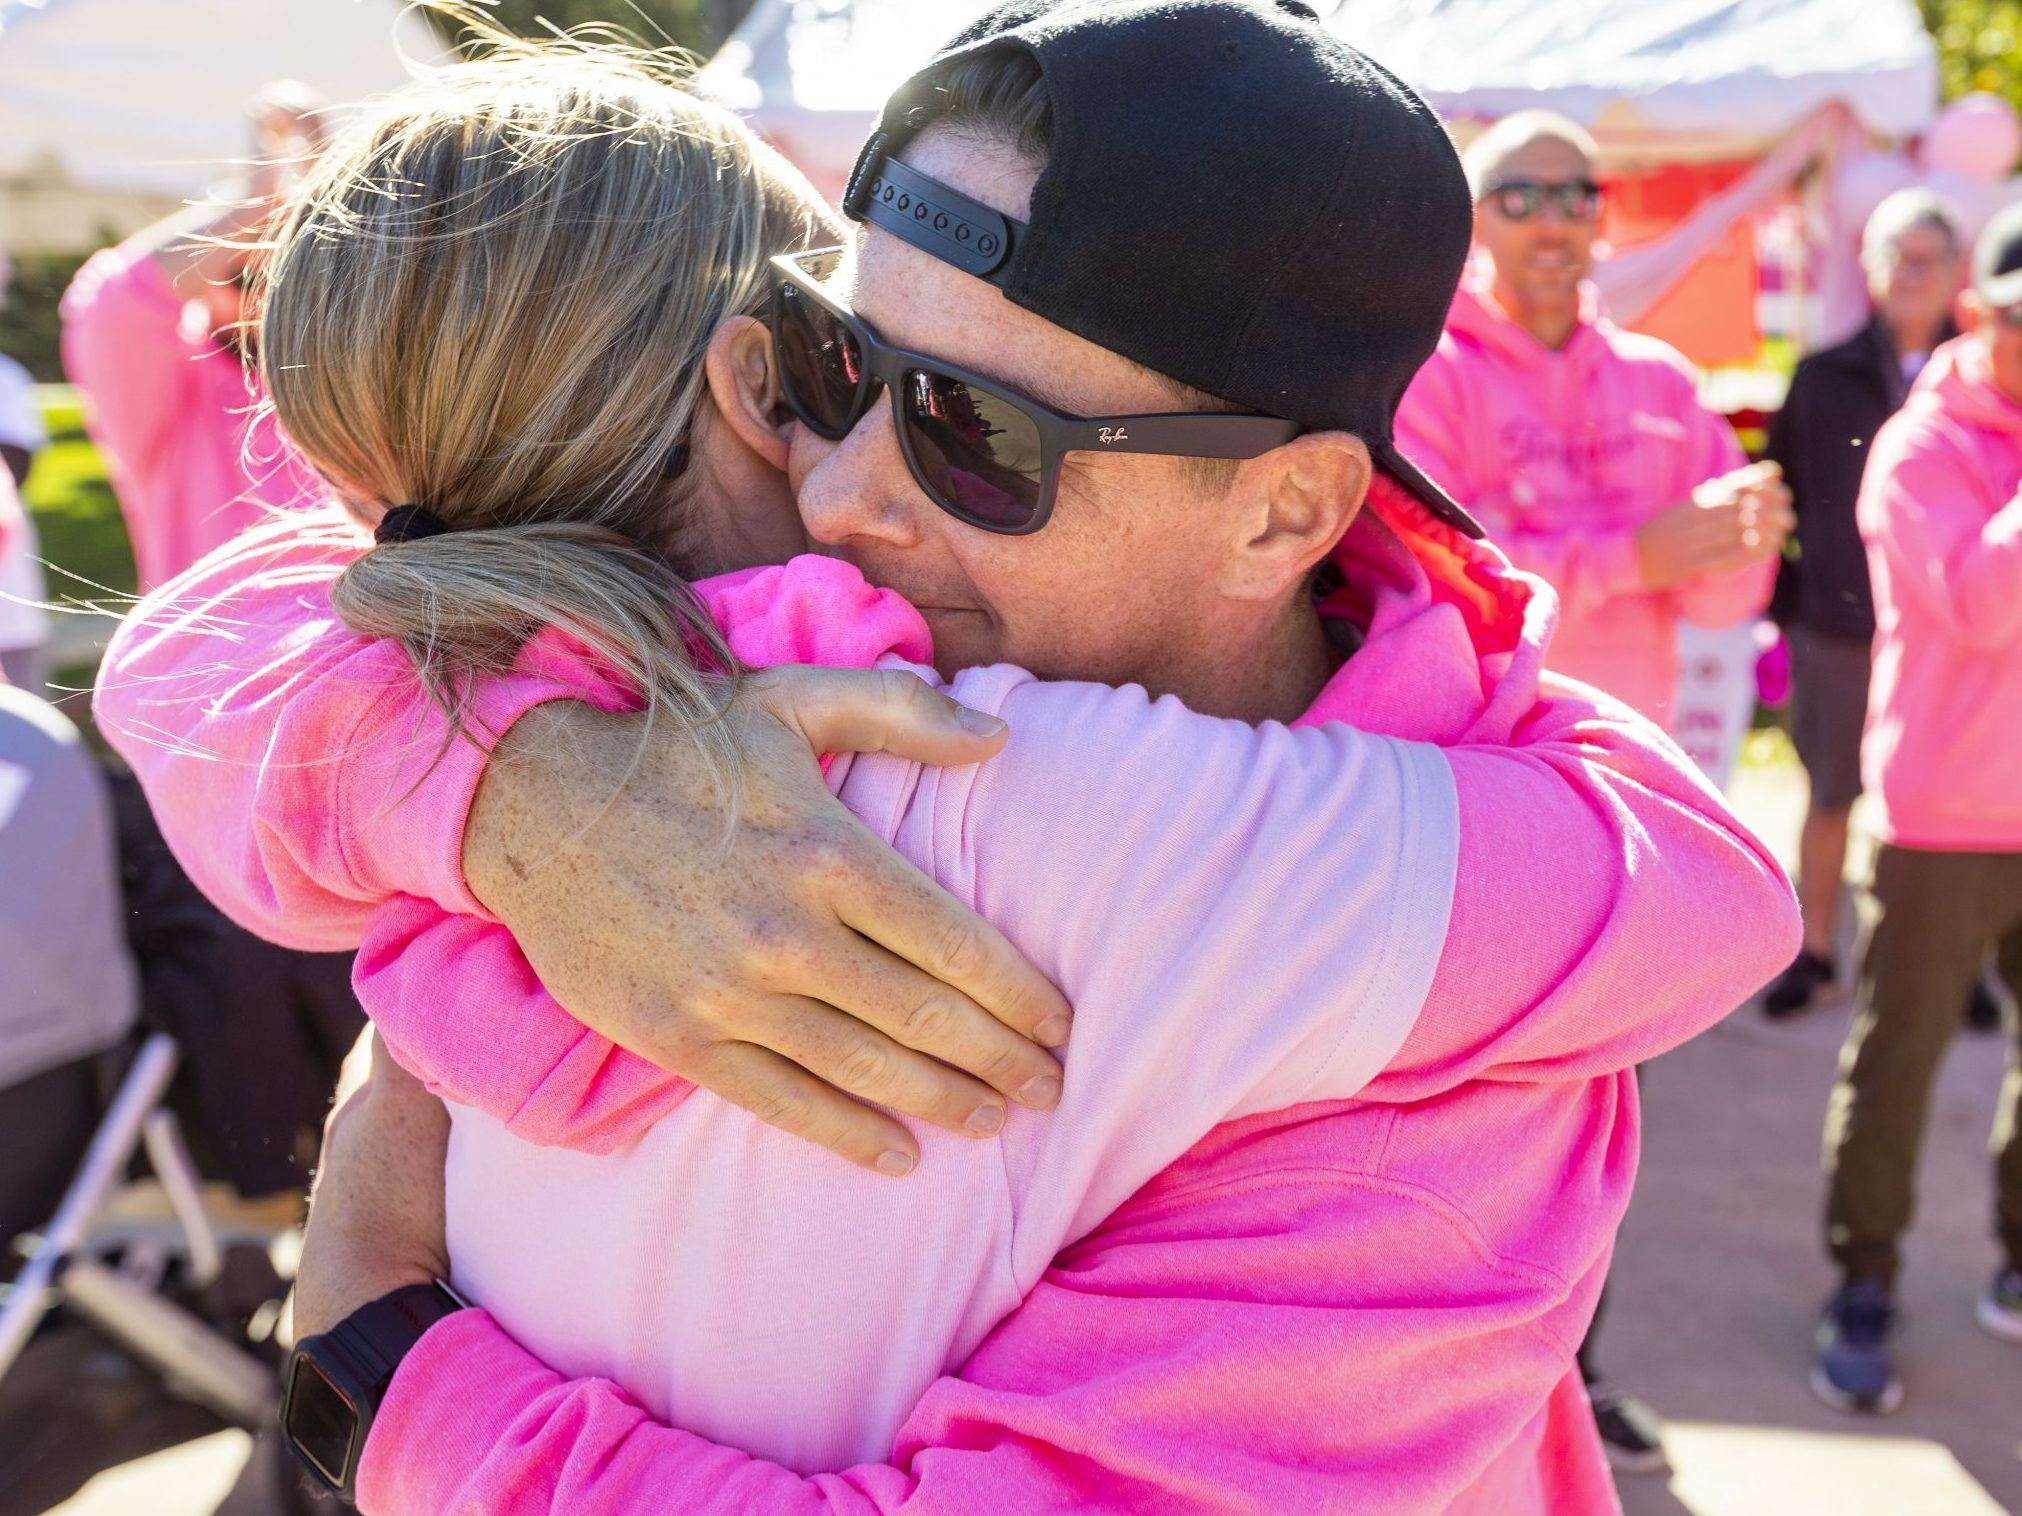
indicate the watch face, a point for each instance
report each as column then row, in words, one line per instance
column 321, row 1420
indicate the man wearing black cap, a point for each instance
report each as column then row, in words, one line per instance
column 1101, row 385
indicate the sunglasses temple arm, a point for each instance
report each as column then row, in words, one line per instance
column 1207, row 435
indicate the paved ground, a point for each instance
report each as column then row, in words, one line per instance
column 1718, row 1278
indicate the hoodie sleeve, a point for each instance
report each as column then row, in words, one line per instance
column 312, row 790
column 1946, row 544
column 12, row 522
column 1607, row 906
column 298, row 771
column 457, row 1002
column 1723, row 599
column 1433, row 423
column 122, row 351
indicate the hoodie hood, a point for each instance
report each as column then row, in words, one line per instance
column 1959, row 380
column 1476, row 317
column 1454, row 637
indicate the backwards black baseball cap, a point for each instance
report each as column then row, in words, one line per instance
column 1235, row 198
column 1997, row 259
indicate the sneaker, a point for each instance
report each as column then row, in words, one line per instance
column 1983, row 1011
column 1853, row 1371
column 1798, row 987
column 2001, row 1307
column 1630, row 1430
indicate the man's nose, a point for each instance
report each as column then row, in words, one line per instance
column 863, row 488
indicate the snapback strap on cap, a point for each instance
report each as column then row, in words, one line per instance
column 934, row 218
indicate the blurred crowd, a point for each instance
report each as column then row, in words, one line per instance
column 1882, row 531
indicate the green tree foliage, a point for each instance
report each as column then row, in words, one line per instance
column 29, row 330
column 1979, row 45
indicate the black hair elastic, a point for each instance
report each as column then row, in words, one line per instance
column 409, row 523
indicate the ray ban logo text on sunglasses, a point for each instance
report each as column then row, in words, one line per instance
column 1108, row 434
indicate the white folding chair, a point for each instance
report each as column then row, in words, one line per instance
column 111, row 1273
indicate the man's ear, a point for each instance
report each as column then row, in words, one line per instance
column 1301, row 500
column 744, row 382
column 1969, row 311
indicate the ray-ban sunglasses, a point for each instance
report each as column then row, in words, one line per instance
column 1521, row 199
column 983, row 452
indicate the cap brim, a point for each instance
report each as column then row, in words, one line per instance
column 2001, row 290
column 1434, row 499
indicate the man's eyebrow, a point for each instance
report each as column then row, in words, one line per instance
column 1043, row 391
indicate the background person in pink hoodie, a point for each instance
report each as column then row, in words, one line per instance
column 1941, row 513
column 1583, row 448
column 152, row 338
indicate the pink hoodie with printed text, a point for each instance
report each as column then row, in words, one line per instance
column 1942, row 519
column 1562, row 456
column 1421, row 1261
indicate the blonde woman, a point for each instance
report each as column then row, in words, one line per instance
column 512, row 322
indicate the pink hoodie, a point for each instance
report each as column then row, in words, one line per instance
column 12, row 521
column 1563, row 455
column 1942, row 519
column 1140, row 1370
column 174, row 414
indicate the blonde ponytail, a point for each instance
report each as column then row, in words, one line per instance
column 492, row 300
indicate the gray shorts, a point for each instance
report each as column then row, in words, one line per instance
column 1828, row 707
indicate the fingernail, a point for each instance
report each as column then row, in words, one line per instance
column 1040, row 1094
column 980, row 723
column 985, row 1120
column 1054, row 1029
column 895, row 1163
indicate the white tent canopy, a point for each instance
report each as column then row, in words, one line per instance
column 1682, row 78
column 148, row 96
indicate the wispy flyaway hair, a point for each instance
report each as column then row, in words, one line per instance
column 492, row 299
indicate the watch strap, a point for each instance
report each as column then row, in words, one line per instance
column 382, row 1332
column 356, row 1361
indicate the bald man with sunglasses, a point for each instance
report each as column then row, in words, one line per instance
column 1583, row 448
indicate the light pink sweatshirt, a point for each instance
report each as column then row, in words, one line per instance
column 1563, row 455
column 1942, row 518
column 174, row 414
column 1141, row 1370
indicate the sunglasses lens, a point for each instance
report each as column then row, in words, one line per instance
column 979, row 456
column 1579, row 201
column 820, row 363
column 1576, row 201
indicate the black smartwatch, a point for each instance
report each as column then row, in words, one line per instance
column 337, row 1379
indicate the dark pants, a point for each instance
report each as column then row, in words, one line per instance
column 1588, row 1372
column 1931, row 919
column 46, row 1123
column 261, row 1030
